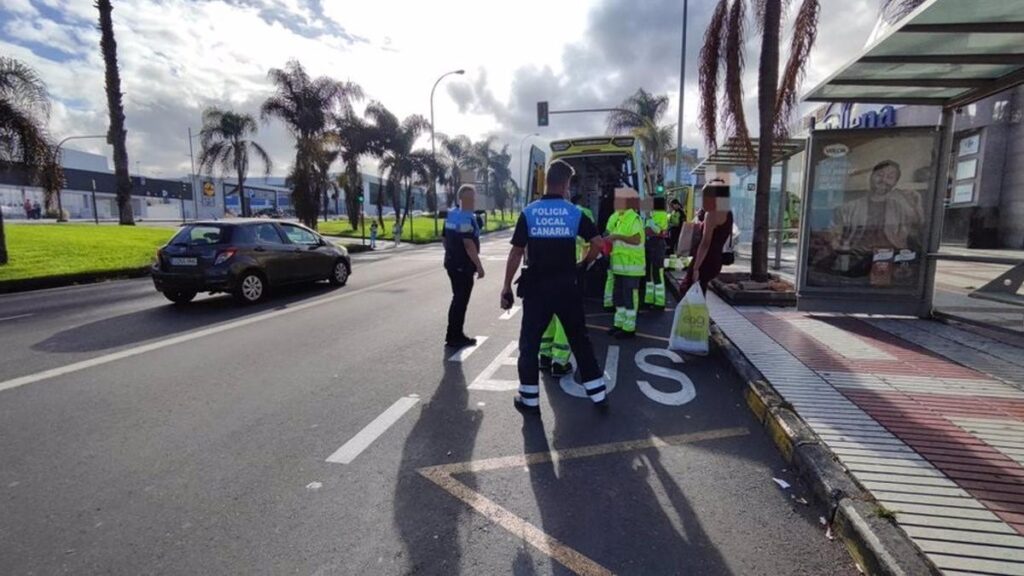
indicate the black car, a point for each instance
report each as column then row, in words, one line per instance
column 245, row 258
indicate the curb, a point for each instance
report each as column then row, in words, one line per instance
column 29, row 284
column 877, row 545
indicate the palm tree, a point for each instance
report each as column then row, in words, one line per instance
column 481, row 159
column 455, row 154
column 356, row 138
column 502, row 178
column 225, row 144
column 117, row 134
column 24, row 112
column 401, row 164
column 306, row 106
column 723, row 43
column 640, row 115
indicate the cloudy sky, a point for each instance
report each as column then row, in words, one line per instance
column 179, row 56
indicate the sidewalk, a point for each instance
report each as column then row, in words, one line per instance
column 929, row 418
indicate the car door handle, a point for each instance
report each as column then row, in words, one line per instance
column 260, row 249
column 297, row 250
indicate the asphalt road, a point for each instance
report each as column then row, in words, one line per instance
column 141, row 438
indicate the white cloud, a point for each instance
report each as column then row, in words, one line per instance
column 179, row 56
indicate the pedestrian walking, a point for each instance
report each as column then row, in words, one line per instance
column 373, row 235
column 546, row 234
column 628, row 262
column 715, row 231
column 397, row 229
column 462, row 261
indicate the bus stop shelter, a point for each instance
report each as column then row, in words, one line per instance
column 731, row 155
column 948, row 54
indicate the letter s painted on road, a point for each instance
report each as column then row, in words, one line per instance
column 686, row 391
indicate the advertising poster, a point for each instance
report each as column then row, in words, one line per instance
column 869, row 197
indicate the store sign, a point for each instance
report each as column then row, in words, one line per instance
column 842, row 116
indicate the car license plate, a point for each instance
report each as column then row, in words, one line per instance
column 184, row 262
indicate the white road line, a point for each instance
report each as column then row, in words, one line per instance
column 128, row 353
column 510, row 313
column 486, row 381
column 464, row 353
column 361, row 441
column 15, row 317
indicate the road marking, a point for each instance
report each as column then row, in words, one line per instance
column 464, row 353
column 485, row 380
column 638, row 334
column 510, row 313
column 361, row 441
column 444, row 477
column 611, row 371
column 15, row 317
column 128, row 353
column 686, row 392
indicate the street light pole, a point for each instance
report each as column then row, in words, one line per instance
column 522, row 169
column 192, row 175
column 433, row 149
column 682, row 81
column 56, row 158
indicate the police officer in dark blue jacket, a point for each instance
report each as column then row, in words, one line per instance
column 461, row 261
column 546, row 234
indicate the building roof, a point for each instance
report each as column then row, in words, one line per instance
column 946, row 53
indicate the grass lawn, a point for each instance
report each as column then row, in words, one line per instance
column 422, row 227
column 37, row 250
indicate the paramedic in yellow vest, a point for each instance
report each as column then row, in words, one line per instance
column 656, row 227
column 554, row 344
column 628, row 263
column 609, row 282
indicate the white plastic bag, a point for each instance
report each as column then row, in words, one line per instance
column 690, row 323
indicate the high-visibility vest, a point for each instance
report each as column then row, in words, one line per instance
column 628, row 259
column 657, row 223
column 581, row 244
column 675, row 220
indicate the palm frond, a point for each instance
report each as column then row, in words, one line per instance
column 735, row 117
column 805, row 32
column 268, row 164
column 709, row 71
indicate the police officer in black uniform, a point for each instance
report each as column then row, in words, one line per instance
column 546, row 233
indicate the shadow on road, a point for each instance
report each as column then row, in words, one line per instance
column 445, row 432
column 169, row 320
column 623, row 511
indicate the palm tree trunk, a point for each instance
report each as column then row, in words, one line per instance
column 116, row 135
column 767, row 88
column 243, row 202
column 3, row 241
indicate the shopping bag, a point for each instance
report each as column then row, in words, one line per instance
column 690, row 324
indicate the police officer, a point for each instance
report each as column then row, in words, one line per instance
column 461, row 261
column 546, row 233
column 554, row 344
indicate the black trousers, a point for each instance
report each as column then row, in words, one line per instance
column 462, row 288
column 544, row 298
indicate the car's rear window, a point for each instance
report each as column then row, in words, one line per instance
column 202, row 235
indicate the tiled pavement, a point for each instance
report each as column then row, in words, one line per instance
column 928, row 417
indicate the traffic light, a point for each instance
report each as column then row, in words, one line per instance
column 542, row 113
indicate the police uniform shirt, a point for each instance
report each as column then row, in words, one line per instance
column 548, row 229
column 460, row 225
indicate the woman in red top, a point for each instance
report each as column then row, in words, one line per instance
column 714, row 233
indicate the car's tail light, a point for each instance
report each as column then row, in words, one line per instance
column 224, row 255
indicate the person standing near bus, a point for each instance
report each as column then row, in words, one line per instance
column 628, row 261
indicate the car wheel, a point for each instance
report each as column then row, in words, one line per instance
column 252, row 288
column 339, row 274
column 180, row 297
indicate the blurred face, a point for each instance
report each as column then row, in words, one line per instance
column 712, row 203
column 467, row 200
column 884, row 180
column 621, row 204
